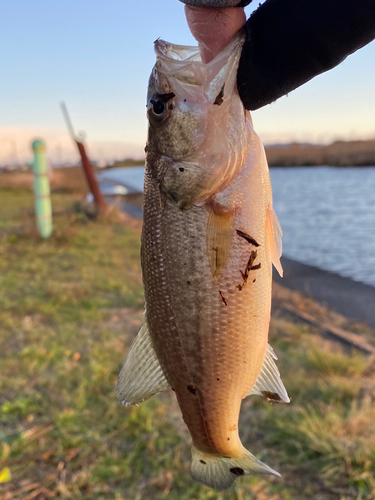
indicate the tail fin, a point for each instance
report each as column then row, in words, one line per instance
column 221, row 472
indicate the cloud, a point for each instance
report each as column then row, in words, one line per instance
column 15, row 146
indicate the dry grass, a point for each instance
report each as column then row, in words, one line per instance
column 68, row 180
column 63, row 180
column 70, row 308
column 340, row 153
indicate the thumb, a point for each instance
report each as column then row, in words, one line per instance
column 213, row 28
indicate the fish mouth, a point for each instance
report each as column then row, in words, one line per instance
column 175, row 52
column 184, row 62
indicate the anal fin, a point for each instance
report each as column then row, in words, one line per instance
column 141, row 375
column 269, row 383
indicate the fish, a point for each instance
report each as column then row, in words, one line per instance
column 209, row 238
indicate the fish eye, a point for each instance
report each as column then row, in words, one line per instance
column 158, row 107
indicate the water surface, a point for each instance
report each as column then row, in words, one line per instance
column 327, row 215
column 328, row 218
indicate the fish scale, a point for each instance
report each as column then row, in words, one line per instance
column 203, row 339
column 208, row 241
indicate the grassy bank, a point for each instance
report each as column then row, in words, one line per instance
column 70, row 308
column 63, row 180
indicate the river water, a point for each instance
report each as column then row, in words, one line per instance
column 328, row 218
column 327, row 215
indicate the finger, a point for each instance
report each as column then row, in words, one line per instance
column 214, row 28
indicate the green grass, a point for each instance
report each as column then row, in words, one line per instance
column 70, row 308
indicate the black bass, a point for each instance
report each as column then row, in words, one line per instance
column 209, row 238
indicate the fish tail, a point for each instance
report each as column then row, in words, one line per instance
column 221, row 472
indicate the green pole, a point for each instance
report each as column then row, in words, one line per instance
column 43, row 206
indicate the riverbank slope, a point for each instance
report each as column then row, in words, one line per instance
column 348, row 297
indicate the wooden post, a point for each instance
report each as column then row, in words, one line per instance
column 99, row 200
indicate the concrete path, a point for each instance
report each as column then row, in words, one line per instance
column 349, row 298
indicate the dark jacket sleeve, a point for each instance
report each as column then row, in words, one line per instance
column 288, row 42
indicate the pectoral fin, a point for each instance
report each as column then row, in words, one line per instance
column 219, row 236
column 141, row 375
column 274, row 241
column 269, row 383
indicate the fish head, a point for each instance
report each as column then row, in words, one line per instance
column 197, row 138
column 175, row 124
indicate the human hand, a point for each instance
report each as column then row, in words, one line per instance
column 287, row 42
column 213, row 27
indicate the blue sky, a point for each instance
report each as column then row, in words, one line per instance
column 97, row 56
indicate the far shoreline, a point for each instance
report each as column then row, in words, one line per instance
column 337, row 154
